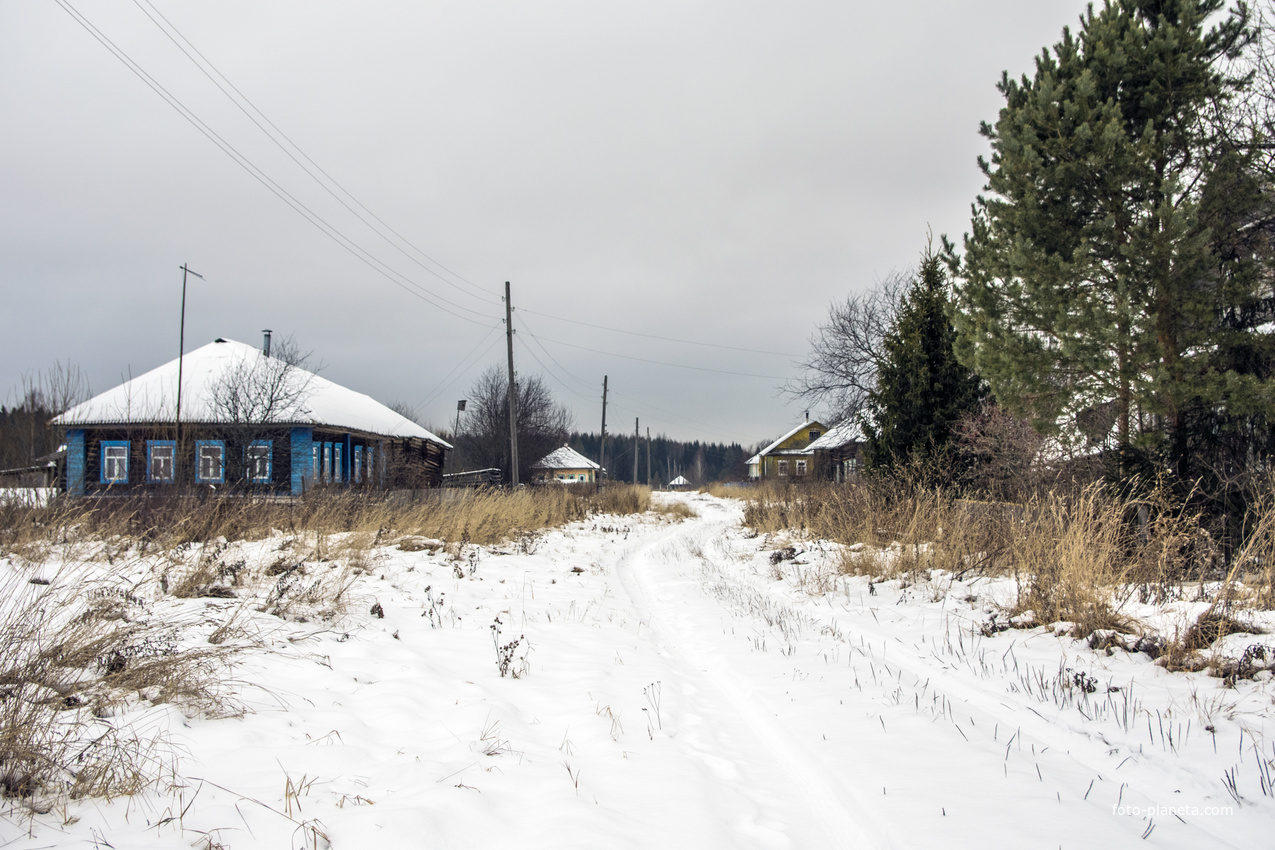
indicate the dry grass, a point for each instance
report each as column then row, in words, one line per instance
column 81, row 662
column 724, row 491
column 147, row 523
column 1076, row 556
column 80, row 658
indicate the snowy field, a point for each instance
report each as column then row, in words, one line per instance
column 674, row 684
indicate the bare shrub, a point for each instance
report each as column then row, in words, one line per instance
column 1001, row 455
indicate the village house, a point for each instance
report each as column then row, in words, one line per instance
column 786, row 458
column 836, row 455
column 564, row 465
column 245, row 421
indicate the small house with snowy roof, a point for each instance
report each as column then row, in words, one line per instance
column 787, row 458
column 836, row 455
column 564, row 465
column 229, row 415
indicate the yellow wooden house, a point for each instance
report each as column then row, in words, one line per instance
column 788, row 457
column 565, row 466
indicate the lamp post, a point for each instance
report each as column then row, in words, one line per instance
column 460, row 408
column 181, row 353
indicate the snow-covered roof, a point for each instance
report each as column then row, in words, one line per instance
column 838, row 435
column 565, row 458
column 679, row 481
column 778, row 442
column 207, row 372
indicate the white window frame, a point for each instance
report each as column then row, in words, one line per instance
column 115, row 461
column 165, row 452
column 258, row 451
column 207, row 453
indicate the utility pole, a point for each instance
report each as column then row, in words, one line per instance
column 602, row 451
column 648, row 456
column 513, row 391
column 181, row 353
column 635, row 448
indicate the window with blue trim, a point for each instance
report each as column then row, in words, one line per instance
column 357, row 475
column 338, row 468
column 210, row 461
column 259, row 465
column 161, row 458
column 114, row 461
column 368, row 459
column 314, row 474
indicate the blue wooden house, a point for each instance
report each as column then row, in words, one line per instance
column 245, row 421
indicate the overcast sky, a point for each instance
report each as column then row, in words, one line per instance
column 710, row 172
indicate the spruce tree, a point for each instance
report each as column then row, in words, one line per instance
column 1099, row 273
column 922, row 389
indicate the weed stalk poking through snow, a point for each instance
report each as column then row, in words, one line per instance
column 507, row 653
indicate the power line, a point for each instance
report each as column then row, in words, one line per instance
column 549, row 354
column 646, row 406
column 551, row 373
column 239, row 99
column 239, row 96
column 663, row 338
column 465, row 362
column 376, row 264
column 327, row 229
column 664, row 362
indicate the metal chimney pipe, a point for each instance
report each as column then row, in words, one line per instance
column 265, row 345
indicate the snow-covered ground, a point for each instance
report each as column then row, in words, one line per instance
column 29, row 496
column 673, row 686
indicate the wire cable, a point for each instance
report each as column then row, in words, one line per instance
column 646, row 406
column 664, row 362
column 327, row 229
column 530, row 333
column 171, row 31
column 464, row 363
column 663, row 338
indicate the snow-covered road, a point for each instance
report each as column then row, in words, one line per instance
column 678, row 687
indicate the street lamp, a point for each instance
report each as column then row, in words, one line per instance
column 181, row 352
column 460, row 408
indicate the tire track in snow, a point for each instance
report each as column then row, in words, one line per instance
column 1078, row 745
column 844, row 821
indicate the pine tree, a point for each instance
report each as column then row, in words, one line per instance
column 1099, row 272
column 922, row 389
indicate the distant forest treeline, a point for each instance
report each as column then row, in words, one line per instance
column 25, row 435
column 699, row 462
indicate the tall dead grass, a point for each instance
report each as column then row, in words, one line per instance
column 1076, row 556
column 163, row 522
column 80, row 657
column 80, row 660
